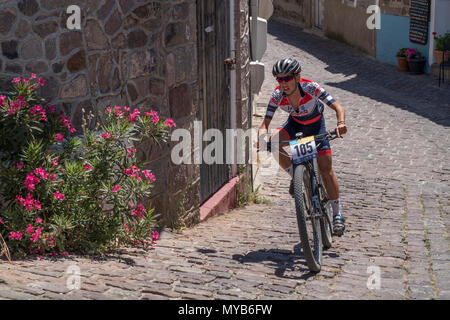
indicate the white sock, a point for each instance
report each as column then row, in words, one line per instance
column 290, row 170
column 335, row 206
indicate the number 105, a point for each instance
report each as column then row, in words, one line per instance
column 304, row 148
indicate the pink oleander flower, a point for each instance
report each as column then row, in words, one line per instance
column 15, row 235
column 55, row 162
column 41, row 82
column 130, row 152
column 116, row 188
column 37, row 205
column 108, row 110
column 30, row 181
column 19, row 165
column 170, row 123
column 2, row 100
column 66, row 123
column 16, row 105
column 38, row 220
column 25, row 80
column 155, row 235
column 106, row 135
column 52, row 177
column 132, row 172
column 155, row 119
column 139, row 211
column 59, row 137
column 118, row 112
column 29, row 203
column 51, row 108
column 150, row 176
column 87, row 166
column 33, row 76
column 30, row 229
column 42, row 173
column 59, row 196
column 134, row 115
column 37, row 234
column 126, row 109
column 16, row 80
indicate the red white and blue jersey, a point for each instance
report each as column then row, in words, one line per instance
column 310, row 108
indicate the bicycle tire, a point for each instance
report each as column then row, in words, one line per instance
column 313, row 257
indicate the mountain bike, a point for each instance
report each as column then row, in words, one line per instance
column 313, row 210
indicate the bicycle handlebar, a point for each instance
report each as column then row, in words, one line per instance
column 329, row 135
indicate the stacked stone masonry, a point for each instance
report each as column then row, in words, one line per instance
column 137, row 53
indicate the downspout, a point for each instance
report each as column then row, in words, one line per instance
column 254, row 26
column 430, row 31
column 233, row 89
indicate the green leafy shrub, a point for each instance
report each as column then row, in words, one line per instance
column 60, row 192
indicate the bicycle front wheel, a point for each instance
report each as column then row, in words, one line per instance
column 308, row 224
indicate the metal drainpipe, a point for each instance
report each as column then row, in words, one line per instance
column 254, row 11
column 233, row 89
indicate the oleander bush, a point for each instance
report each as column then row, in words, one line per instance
column 62, row 192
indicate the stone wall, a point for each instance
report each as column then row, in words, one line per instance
column 294, row 12
column 341, row 19
column 395, row 7
column 137, row 53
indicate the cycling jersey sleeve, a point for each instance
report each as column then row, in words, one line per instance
column 273, row 104
column 323, row 95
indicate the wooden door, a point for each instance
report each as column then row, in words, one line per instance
column 213, row 49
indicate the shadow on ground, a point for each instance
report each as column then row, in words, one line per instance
column 376, row 80
column 282, row 260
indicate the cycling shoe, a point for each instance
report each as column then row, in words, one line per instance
column 338, row 225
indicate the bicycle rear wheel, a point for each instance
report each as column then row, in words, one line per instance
column 308, row 225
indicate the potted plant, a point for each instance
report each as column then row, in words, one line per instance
column 401, row 60
column 440, row 41
column 416, row 62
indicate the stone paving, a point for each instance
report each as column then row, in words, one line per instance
column 393, row 171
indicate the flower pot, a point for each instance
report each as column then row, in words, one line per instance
column 416, row 66
column 438, row 56
column 402, row 64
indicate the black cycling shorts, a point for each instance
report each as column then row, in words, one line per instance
column 291, row 127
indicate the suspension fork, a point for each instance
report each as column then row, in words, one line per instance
column 314, row 188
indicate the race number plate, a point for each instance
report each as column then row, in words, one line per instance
column 303, row 149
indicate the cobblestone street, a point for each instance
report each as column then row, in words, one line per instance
column 393, row 171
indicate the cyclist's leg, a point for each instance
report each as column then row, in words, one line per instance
column 325, row 162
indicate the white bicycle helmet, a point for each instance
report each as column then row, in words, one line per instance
column 286, row 66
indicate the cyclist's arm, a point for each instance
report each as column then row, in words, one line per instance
column 341, row 128
column 324, row 96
